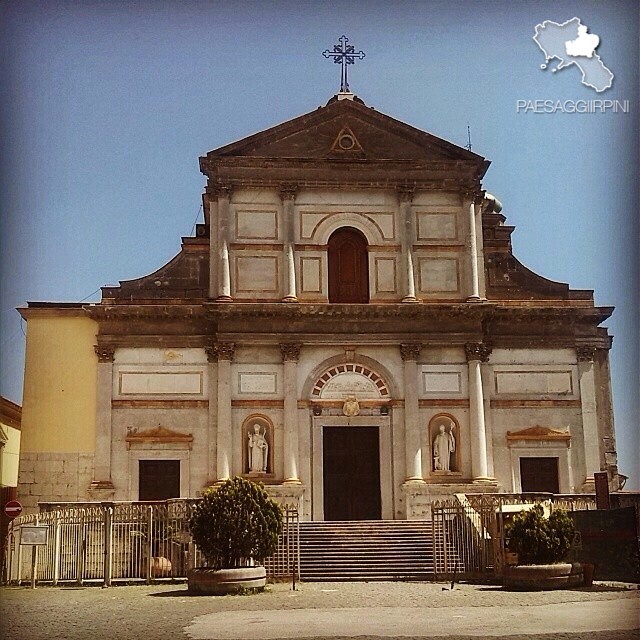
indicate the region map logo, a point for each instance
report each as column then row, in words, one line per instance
column 572, row 44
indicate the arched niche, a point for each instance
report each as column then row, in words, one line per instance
column 258, row 436
column 444, row 445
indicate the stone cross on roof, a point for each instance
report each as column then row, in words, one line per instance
column 343, row 54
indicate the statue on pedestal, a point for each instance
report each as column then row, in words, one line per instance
column 444, row 445
column 258, row 449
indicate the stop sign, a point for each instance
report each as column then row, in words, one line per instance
column 12, row 509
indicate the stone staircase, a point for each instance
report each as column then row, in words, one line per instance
column 366, row 550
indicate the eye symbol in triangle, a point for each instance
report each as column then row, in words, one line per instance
column 346, row 141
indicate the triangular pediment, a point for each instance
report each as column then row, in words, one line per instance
column 538, row 433
column 375, row 136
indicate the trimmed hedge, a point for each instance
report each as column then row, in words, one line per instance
column 235, row 522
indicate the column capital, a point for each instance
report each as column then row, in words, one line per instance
column 212, row 353
column 405, row 193
column 473, row 194
column 585, row 353
column 290, row 351
column 287, row 191
column 221, row 191
column 410, row 352
column 225, row 350
column 105, row 353
column 477, row 351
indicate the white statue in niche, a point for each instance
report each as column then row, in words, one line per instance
column 444, row 445
column 258, row 449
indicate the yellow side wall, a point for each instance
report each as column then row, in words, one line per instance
column 59, row 401
column 9, row 457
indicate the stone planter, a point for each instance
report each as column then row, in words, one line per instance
column 542, row 577
column 219, row 582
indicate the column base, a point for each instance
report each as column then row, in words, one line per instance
column 485, row 480
column 414, row 480
column 102, row 490
column 292, row 481
column 290, row 299
column 410, row 299
column 475, row 299
column 224, row 299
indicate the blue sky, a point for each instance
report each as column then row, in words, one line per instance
column 106, row 107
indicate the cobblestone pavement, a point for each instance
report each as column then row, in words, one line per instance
column 320, row 610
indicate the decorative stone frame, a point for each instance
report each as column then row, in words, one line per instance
column 540, row 442
column 247, row 424
column 150, row 451
column 432, row 430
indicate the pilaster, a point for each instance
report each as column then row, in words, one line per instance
column 586, row 376
column 223, row 197
column 405, row 198
column 288, row 196
column 413, row 442
column 290, row 355
column 212, row 416
column 477, row 353
column 102, row 484
column 474, row 245
column 224, row 352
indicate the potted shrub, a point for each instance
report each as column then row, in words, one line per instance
column 541, row 544
column 235, row 526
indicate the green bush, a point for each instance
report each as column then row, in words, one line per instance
column 235, row 522
column 538, row 540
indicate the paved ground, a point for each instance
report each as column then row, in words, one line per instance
column 320, row 610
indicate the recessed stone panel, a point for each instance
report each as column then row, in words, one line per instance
column 385, row 276
column 257, row 383
column 143, row 383
column 436, row 226
column 534, row 382
column 438, row 275
column 311, row 275
column 384, row 222
column 256, row 274
column 258, row 224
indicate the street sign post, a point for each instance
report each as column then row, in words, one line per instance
column 12, row 509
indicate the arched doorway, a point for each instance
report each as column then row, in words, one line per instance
column 348, row 266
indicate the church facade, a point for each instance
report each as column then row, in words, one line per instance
column 349, row 326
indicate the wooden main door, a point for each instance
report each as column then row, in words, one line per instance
column 348, row 266
column 159, row 479
column 351, row 473
column 539, row 475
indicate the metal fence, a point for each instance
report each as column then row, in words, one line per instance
column 130, row 542
column 468, row 539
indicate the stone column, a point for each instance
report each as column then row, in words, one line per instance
column 104, row 392
column 413, row 441
column 290, row 356
column 476, row 354
column 212, row 417
column 405, row 196
column 224, row 352
column 224, row 224
column 588, row 406
column 288, row 196
column 473, row 249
